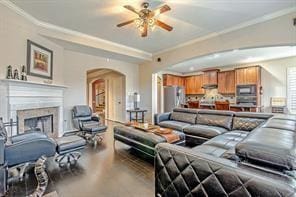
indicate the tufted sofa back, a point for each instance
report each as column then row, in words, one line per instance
column 215, row 118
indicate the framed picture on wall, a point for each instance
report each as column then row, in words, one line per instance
column 39, row 60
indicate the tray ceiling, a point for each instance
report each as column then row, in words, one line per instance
column 191, row 19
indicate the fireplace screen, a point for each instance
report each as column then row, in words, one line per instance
column 42, row 124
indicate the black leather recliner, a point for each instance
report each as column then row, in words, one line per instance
column 88, row 124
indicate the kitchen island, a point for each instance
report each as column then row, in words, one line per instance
column 234, row 107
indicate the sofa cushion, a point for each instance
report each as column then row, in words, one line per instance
column 253, row 115
column 280, row 123
column 186, row 110
column 183, row 117
column 271, row 147
column 204, row 131
column 215, row 119
column 210, row 150
column 222, row 145
column 246, row 124
column 227, row 140
column 93, row 127
column 174, row 124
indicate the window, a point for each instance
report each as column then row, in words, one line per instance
column 291, row 89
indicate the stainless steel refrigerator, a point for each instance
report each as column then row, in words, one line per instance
column 174, row 96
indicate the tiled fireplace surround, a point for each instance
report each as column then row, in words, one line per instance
column 24, row 100
column 39, row 112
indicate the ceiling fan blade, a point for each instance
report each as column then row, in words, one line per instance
column 145, row 30
column 163, row 25
column 160, row 10
column 131, row 8
column 125, row 23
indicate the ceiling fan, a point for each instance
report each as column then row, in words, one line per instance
column 147, row 18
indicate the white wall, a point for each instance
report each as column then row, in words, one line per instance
column 14, row 32
column 75, row 68
column 274, row 78
column 69, row 68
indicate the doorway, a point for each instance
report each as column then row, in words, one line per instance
column 106, row 94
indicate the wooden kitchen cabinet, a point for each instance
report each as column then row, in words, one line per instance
column 193, row 84
column 173, row 80
column 248, row 75
column 210, row 77
column 226, row 82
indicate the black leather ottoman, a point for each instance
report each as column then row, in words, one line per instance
column 68, row 148
column 142, row 141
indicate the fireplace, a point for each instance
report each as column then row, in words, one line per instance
column 40, row 119
column 21, row 100
column 43, row 124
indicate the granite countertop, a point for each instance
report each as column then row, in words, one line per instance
column 231, row 105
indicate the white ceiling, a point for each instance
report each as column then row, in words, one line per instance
column 191, row 19
column 234, row 57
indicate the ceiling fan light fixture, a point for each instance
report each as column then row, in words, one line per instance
column 151, row 22
column 146, row 18
column 139, row 22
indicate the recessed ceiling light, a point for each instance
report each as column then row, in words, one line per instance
column 252, row 59
column 191, row 68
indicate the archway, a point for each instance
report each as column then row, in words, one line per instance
column 106, row 93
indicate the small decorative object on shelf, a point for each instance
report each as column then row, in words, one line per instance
column 24, row 73
column 16, row 74
column 9, row 72
column 136, row 101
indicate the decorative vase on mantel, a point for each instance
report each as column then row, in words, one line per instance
column 9, row 72
column 16, row 74
column 24, row 73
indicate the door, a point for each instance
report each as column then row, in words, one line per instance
column 93, row 99
column 118, row 87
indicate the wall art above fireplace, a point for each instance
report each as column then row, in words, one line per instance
column 39, row 60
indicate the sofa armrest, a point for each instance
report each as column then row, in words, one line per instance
column 2, row 147
column 161, row 117
column 180, row 171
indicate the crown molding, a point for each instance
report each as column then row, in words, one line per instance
column 134, row 52
column 231, row 29
column 109, row 45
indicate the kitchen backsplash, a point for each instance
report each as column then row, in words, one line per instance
column 211, row 96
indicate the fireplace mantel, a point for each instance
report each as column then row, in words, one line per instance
column 16, row 95
column 29, row 83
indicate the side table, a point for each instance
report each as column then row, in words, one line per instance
column 139, row 114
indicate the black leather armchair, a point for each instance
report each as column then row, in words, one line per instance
column 21, row 151
column 87, row 123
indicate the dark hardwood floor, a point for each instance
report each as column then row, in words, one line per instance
column 100, row 172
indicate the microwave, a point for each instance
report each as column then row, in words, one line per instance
column 246, row 90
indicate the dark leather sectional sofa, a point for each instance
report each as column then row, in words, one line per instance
column 232, row 154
